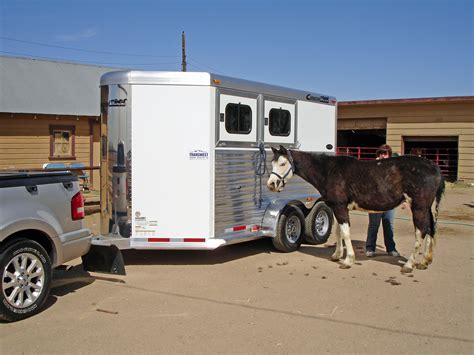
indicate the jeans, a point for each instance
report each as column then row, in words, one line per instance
column 387, row 224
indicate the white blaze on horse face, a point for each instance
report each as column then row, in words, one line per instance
column 280, row 168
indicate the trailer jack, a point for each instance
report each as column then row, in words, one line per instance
column 104, row 258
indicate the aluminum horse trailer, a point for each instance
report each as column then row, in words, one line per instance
column 184, row 163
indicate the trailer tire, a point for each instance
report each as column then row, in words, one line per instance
column 290, row 230
column 25, row 270
column 318, row 224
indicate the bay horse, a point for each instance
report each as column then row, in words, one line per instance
column 346, row 183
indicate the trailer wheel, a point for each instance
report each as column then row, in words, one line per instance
column 318, row 224
column 25, row 268
column 290, row 230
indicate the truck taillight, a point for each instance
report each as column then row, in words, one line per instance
column 77, row 207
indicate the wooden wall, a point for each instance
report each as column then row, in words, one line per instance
column 418, row 120
column 25, row 140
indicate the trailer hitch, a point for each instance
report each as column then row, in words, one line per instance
column 104, row 258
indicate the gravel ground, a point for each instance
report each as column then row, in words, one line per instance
column 248, row 298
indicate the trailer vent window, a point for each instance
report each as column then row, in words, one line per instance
column 280, row 122
column 238, row 119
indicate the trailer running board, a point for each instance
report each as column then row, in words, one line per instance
column 104, row 258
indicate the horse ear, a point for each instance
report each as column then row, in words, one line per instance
column 283, row 150
column 274, row 150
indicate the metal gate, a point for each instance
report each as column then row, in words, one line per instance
column 445, row 158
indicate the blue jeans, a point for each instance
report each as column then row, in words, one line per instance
column 387, row 224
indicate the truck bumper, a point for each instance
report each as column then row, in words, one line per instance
column 73, row 245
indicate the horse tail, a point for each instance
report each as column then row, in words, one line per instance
column 439, row 195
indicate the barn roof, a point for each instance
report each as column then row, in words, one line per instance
column 47, row 87
column 421, row 100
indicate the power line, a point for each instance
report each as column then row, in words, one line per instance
column 203, row 65
column 83, row 61
column 86, row 50
column 196, row 64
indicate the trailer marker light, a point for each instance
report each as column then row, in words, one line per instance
column 216, row 81
column 255, row 228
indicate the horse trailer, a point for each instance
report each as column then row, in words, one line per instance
column 183, row 161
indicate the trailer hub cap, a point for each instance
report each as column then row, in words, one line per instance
column 293, row 229
column 23, row 280
column 322, row 223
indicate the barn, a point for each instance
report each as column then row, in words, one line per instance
column 50, row 113
column 438, row 128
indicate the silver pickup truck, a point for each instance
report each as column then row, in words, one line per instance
column 41, row 227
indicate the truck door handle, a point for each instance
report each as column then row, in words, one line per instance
column 32, row 189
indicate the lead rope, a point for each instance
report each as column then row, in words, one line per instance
column 261, row 169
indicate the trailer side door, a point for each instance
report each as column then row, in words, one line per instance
column 237, row 120
column 279, row 122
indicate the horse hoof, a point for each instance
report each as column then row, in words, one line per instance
column 335, row 258
column 344, row 266
column 427, row 261
column 422, row 266
column 406, row 269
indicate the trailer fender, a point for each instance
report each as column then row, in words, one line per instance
column 276, row 207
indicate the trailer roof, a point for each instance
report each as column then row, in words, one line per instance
column 208, row 79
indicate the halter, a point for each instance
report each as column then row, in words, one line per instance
column 292, row 169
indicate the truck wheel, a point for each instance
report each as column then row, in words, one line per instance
column 26, row 279
column 318, row 224
column 290, row 230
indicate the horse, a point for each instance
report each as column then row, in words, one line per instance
column 346, row 183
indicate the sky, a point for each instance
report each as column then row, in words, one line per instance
column 351, row 49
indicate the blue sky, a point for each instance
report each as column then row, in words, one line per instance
column 354, row 50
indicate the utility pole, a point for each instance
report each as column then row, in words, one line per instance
column 183, row 46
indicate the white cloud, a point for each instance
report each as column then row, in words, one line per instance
column 72, row 37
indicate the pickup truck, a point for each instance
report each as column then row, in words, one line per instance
column 41, row 227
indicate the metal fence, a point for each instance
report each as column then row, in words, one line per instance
column 445, row 158
column 361, row 153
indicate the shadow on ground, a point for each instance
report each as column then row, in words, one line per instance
column 198, row 257
column 242, row 250
column 325, row 252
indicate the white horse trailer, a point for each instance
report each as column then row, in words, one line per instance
column 184, row 161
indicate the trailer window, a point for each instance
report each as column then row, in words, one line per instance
column 238, row 119
column 280, row 122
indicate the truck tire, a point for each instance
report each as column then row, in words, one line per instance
column 290, row 230
column 318, row 224
column 26, row 279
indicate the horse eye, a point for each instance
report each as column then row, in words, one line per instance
column 282, row 164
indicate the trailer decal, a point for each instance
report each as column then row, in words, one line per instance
column 198, row 155
column 159, row 240
column 176, row 240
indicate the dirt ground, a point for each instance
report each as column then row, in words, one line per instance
column 248, row 298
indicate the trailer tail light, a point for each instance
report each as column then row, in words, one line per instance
column 77, row 207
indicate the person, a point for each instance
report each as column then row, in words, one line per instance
column 387, row 217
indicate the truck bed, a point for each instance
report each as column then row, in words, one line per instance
column 17, row 178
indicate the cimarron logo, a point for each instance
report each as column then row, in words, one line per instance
column 117, row 102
